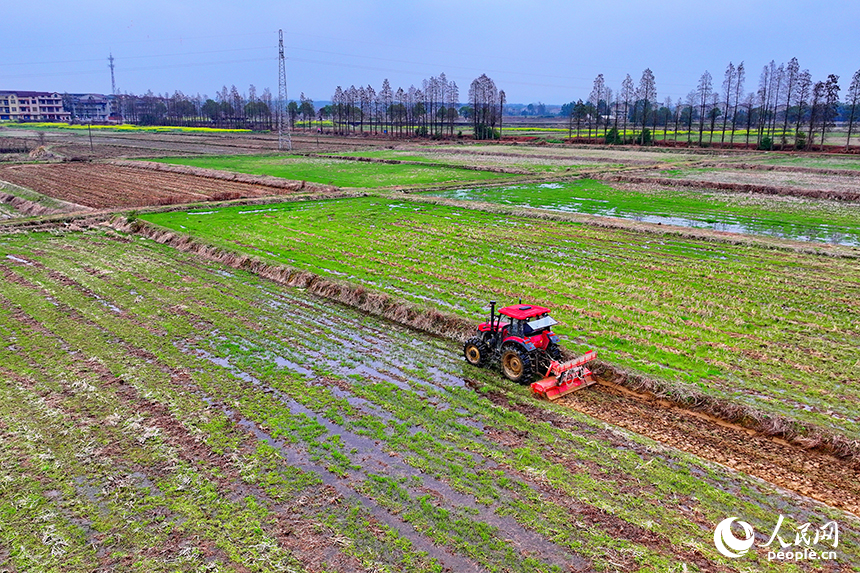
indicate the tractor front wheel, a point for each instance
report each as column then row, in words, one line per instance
column 476, row 352
column 516, row 364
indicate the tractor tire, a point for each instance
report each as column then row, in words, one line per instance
column 516, row 364
column 554, row 352
column 544, row 358
column 477, row 352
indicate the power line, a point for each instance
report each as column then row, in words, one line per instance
column 137, row 57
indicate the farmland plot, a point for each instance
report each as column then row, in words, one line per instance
column 460, row 157
column 106, row 185
column 340, row 173
column 597, row 153
column 785, row 217
column 162, row 413
column 802, row 182
column 774, row 329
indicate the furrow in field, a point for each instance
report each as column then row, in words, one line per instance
column 321, row 381
column 745, row 322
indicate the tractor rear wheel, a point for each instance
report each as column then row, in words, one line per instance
column 476, row 352
column 544, row 358
column 516, row 364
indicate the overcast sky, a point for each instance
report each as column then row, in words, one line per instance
column 535, row 50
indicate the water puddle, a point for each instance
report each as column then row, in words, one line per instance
column 19, row 260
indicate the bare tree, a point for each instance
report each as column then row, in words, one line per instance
column 306, row 108
column 607, row 98
column 453, row 102
column 337, row 110
column 853, row 100
column 372, row 105
column 815, row 111
column 749, row 102
column 740, row 75
column 713, row 114
column 764, row 85
column 484, row 97
column 594, row 98
column 268, row 101
column 386, row 98
column 792, row 75
column 804, row 91
column 627, row 95
column 704, row 93
column 690, row 114
column 399, row 115
column 502, row 99
column 677, row 114
column 728, row 80
column 646, row 92
column 831, row 100
column 777, row 80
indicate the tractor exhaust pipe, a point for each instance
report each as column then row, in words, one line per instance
column 492, row 314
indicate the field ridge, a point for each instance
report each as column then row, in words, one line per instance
column 745, row 187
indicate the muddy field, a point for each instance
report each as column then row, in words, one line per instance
column 116, row 145
column 99, row 185
column 800, row 182
column 172, row 413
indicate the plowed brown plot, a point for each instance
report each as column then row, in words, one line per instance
column 104, row 186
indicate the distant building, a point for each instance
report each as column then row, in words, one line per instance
column 32, row 106
column 89, row 107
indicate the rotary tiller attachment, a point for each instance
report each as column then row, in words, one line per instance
column 566, row 377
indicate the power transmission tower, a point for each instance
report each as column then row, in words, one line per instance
column 112, row 80
column 116, row 101
column 282, row 98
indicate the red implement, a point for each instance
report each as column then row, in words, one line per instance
column 564, row 378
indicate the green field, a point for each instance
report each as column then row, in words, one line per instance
column 459, row 157
column 790, row 218
column 336, row 172
column 775, row 329
column 163, row 413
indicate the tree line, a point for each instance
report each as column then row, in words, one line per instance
column 430, row 111
column 788, row 109
column 228, row 109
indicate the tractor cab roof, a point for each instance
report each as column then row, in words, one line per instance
column 523, row 311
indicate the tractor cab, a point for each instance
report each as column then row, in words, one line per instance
column 528, row 324
column 526, row 320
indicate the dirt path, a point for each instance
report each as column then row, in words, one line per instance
column 820, row 476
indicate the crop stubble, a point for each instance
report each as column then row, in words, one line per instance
column 771, row 328
column 210, row 365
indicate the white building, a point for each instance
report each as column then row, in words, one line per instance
column 32, row 106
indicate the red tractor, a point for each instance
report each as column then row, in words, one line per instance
column 526, row 346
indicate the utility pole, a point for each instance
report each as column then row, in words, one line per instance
column 283, row 131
